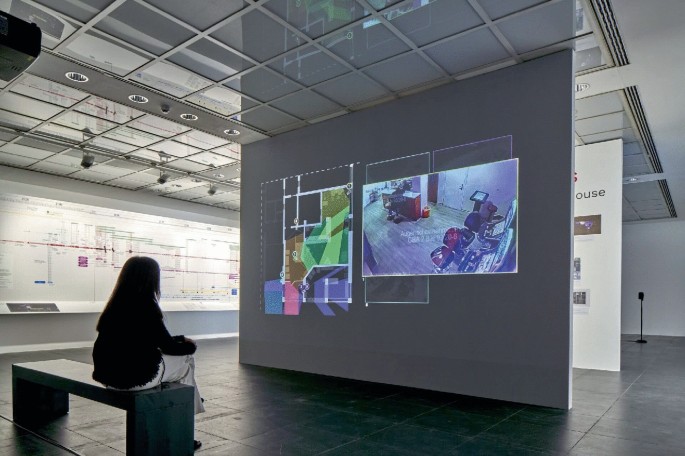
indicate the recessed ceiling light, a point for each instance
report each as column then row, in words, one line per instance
column 190, row 117
column 582, row 86
column 219, row 175
column 232, row 132
column 237, row 170
column 76, row 77
column 138, row 98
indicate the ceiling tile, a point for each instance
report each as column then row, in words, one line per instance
column 308, row 66
column 7, row 135
column 91, row 175
column 262, row 84
column 109, row 110
column 201, row 140
column 15, row 160
column 468, row 51
column 362, row 46
column 82, row 10
column 65, row 160
column 144, row 178
column 435, row 20
column 127, row 165
column 28, row 106
column 257, row 36
column 634, row 160
column 102, row 52
column 627, row 134
column 113, row 146
column 350, row 89
column 24, row 151
column 52, row 92
column 210, row 159
column 84, row 123
column 132, row 136
column 224, row 174
column 53, row 168
column 36, row 144
column 633, row 148
column 175, row 149
column 112, row 171
column 317, row 18
column 151, row 155
column 588, row 55
column 201, row 14
column 265, row 118
column 599, row 124
column 497, row 8
column 125, row 182
column 140, row 26
column 62, row 133
column 598, row 105
column 17, row 121
column 210, row 60
column 403, row 72
column 221, row 100
column 187, row 165
column 230, row 150
column 306, row 105
column 170, row 79
column 158, row 126
column 550, row 23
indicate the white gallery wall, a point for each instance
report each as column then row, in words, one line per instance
column 24, row 332
column 654, row 263
column 597, row 256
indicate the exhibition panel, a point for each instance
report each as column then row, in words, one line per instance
column 597, row 234
column 340, row 211
column 58, row 256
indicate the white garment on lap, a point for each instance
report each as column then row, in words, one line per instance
column 180, row 369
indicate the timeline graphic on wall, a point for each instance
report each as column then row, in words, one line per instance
column 70, row 255
column 306, row 243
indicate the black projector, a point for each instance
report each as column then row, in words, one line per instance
column 19, row 46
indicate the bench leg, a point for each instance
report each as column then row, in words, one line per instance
column 36, row 404
column 168, row 431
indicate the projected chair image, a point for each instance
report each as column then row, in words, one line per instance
column 493, row 250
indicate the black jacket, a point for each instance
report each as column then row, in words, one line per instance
column 128, row 352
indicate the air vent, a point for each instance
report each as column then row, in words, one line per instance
column 663, row 185
column 605, row 16
column 638, row 112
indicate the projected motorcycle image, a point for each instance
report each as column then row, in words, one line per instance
column 459, row 221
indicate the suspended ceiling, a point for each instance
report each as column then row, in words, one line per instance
column 266, row 67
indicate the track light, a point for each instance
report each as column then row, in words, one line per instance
column 87, row 161
column 163, row 178
column 212, row 190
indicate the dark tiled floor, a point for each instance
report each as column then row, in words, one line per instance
column 257, row 411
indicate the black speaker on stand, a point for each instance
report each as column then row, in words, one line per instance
column 641, row 297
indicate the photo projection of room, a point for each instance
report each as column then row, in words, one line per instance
column 474, row 328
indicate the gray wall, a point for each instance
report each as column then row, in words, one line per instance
column 654, row 262
column 503, row 336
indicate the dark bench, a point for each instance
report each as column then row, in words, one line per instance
column 159, row 421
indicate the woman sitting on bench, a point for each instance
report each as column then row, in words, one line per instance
column 134, row 350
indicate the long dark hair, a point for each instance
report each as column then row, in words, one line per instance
column 136, row 293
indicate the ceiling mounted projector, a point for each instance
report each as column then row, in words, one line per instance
column 19, row 46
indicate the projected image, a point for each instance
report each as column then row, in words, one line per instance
column 307, row 243
column 587, row 224
column 458, row 221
